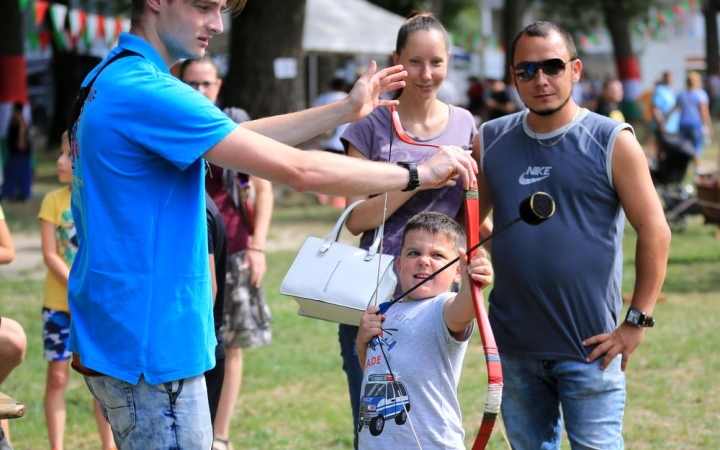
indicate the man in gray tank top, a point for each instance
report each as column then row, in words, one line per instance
column 556, row 304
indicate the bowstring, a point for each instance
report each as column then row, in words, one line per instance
column 380, row 250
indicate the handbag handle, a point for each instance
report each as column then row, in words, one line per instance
column 335, row 234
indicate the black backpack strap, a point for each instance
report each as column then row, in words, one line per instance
column 85, row 90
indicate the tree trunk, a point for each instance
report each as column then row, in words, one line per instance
column 261, row 33
column 512, row 19
column 712, row 49
column 13, row 72
column 617, row 21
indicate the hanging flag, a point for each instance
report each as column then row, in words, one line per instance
column 41, row 7
column 33, row 42
column 100, row 26
column 91, row 29
column 45, row 37
column 77, row 22
column 109, row 30
column 58, row 13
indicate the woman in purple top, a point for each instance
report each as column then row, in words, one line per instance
column 423, row 50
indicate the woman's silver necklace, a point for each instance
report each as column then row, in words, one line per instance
column 561, row 137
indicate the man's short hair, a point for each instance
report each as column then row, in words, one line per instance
column 543, row 29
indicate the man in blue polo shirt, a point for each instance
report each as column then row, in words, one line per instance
column 140, row 290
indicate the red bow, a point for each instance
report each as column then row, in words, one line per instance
column 492, row 357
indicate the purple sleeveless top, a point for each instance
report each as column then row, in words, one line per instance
column 371, row 136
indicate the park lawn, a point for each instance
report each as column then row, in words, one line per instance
column 294, row 393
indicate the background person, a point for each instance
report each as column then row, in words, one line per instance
column 428, row 367
column 13, row 341
column 556, row 302
column 217, row 261
column 59, row 246
column 695, row 121
column 330, row 140
column 245, row 316
column 18, row 167
column 423, row 49
column 140, row 274
column 608, row 103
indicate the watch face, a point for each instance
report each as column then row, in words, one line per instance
column 633, row 316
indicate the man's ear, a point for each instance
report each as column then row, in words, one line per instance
column 154, row 5
column 577, row 70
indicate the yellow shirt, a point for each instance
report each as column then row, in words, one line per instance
column 55, row 208
column 2, row 214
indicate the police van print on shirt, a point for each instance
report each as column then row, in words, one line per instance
column 384, row 398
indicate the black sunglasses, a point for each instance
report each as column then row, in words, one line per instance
column 527, row 70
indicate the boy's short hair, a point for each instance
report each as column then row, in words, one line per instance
column 436, row 223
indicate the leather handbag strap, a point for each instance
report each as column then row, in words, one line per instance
column 335, row 233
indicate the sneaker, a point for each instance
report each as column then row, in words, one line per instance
column 4, row 444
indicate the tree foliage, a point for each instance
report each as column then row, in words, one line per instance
column 445, row 10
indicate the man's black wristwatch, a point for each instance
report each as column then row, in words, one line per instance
column 638, row 318
column 414, row 180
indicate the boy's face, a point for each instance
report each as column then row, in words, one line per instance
column 422, row 254
column 64, row 164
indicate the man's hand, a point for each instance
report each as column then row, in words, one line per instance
column 365, row 94
column 445, row 166
column 625, row 339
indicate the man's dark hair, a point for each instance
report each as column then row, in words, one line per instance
column 188, row 62
column 543, row 29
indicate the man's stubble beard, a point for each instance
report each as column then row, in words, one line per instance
column 550, row 112
column 547, row 112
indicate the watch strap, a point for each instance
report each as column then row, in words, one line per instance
column 638, row 318
column 414, row 180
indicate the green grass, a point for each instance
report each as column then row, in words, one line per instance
column 294, row 393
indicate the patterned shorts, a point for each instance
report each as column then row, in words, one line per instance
column 246, row 319
column 56, row 331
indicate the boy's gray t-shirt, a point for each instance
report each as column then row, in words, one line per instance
column 427, row 361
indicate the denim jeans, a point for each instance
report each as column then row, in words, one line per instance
column 592, row 402
column 167, row 416
column 695, row 135
column 347, row 335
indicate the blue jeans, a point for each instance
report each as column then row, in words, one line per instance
column 592, row 403
column 347, row 335
column 167, row 416
column 18, row 177
column 694, row 134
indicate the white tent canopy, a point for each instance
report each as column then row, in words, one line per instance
column 349, row 26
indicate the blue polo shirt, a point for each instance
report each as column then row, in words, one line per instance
column 140, row 289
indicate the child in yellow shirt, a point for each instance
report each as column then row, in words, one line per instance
column 59, row 245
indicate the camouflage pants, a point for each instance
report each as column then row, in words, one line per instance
column 246, row 319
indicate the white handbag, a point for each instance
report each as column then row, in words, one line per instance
column 337, row 282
